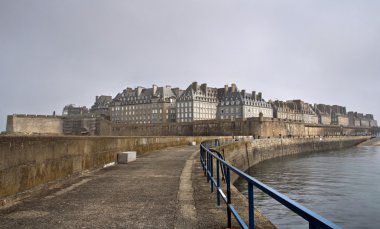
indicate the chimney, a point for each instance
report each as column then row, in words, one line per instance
column 233, row 87
column 204, row 87
column 194, row 85
column 254, row 95
column 96, row 98
column 139, row 90
column 225, row 88
column 243, row 92
column 154, row 89
column 259, row 96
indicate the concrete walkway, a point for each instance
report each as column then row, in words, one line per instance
column 142, row 194
column 162, row 189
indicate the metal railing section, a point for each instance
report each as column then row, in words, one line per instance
column 213, row 162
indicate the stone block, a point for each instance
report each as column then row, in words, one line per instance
column 193, row 143
column 126, row 157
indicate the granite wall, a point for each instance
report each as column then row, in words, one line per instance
column 244, row 154
column 29, row 161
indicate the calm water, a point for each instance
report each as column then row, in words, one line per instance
column 342, row 186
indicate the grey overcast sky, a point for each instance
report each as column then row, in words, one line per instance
column 55, row 52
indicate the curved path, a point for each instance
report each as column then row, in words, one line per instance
column 155, row 191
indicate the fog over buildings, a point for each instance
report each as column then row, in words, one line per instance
column 53, row 53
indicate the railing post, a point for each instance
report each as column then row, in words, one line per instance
column 212, row 172
column 251, row 206
column 311, row 225
column 228, row 179
column 217, row 183
column 201, row 157
column 208, row 165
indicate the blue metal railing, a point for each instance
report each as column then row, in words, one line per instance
column 223, row 170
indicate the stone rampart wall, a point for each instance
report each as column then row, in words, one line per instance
column 29, row 124
column 29, row 161
column 263, row 128
column 244, row 154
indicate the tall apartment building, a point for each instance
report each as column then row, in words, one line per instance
column 281, row 110
column 353, row 119
column 339, row 116
column 240, row 104
column 198, row 102
column 145, row 105
column 296, row 110
column 359, row 119
column 371, row 119
column 324, row 113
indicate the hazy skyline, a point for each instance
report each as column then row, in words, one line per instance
column 54, row 53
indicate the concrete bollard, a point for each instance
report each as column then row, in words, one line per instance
column 126, row 157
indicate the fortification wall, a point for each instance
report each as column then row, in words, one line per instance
column 29, row 124
column 29, row 161
column 259, row 128
column 245, row 154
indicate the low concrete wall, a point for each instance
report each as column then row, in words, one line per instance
column 244, row 154
column 29, row 161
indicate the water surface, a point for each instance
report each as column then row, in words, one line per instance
column 342, row 186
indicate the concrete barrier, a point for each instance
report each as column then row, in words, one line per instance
column 126, row 157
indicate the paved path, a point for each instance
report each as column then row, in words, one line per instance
column 162, row 189
column 142, row 194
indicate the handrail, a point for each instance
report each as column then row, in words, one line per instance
column 207, row 158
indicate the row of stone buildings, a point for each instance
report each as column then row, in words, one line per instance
column 197, row 102
column 201, row 102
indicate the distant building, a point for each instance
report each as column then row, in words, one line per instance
column 198, row 102
column 78, row 120
column 353, row 119
column 70, row 110
column 145, row 105
column 339, row 116
column 323, row 112
column 101, row 106
column 296, row 110
column 372, row 121
column 235, row 104
column 359, row 119
column 281, row 110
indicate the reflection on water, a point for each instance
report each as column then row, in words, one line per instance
column 342, row 186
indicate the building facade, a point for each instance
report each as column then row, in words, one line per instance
column 339, row 116
column 78, row 120
column 72, row 110
column 101, row 106
column 198, row 102
column 145, row 105
column 359, row 119
column 236, row 104
column 296, row 110
column 323, row 112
